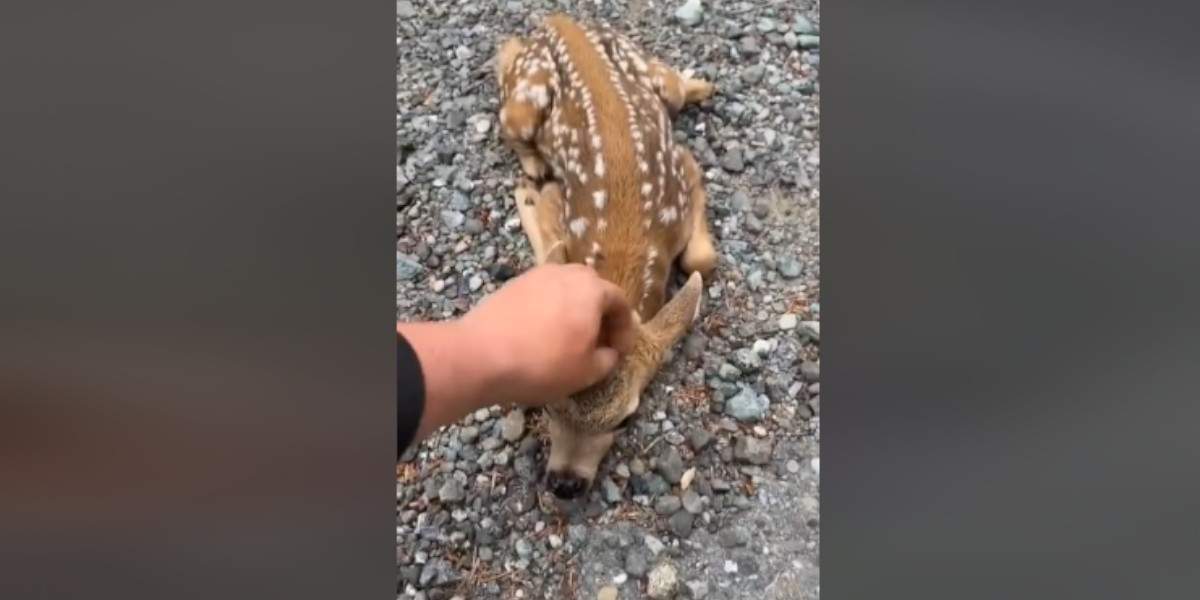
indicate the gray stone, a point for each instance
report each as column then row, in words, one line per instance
column 790, row 268
column 407, row 267
column 803, row 25
column 809, row 41
column 812, row 329
column 473, row 226
column 728, row 372
column 698, row 438
column 680, row 524
column 667, row 505
column 637, row 561
column 747, row 360
column 733, row 536
column 670, row 465
column 747, row 405
column 697, row 589
column 451, row 492
column 512, row 427
column 453, row 219
column 810, row 370
column 468, row 434
column 788, row 322
column 405, row 10
column 692, row 502
column 762, row 347
column 662, row 582
column 753, row 75
column 752, row 450
column 654, row 545
column 732, row 160
column 691, row 13
column 609, row 491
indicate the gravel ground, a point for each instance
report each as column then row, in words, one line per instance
column 714, row 492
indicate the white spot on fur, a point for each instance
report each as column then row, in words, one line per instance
column 601, row 224
column 668, row 215
column 600, row 197
column 578, row 226
column 647, row 188
column 599, row 166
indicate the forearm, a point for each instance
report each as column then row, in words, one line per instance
column 457, row 371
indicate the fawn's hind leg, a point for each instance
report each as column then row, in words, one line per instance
column 525, row 99
column 540, row 210
column 698, row 253
column 677, row 90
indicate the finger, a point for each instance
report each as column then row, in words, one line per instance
column 604, row 360
column 616, row 319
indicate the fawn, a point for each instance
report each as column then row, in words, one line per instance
column 588, row 115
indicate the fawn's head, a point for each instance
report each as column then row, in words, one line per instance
column 583, row 427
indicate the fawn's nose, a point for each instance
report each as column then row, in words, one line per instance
column 566, row 485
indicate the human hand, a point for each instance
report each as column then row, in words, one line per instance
column 550, row 332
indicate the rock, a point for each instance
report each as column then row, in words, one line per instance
column 680, row 524
column 698, row 438
column 654, row 545
column 697, row 589
column 670, row 465
column 792, row 467
column 747, row 405
column 468, row 434
column 662, row 582
column 607, row 592
column 405, row 10
column 790, row 268
column 803, row 25
column 453, row 219
column 810, row 370
column 753, row 75
column 732, row 160
column 788, row 322
column 812, row 329
column 473, row 226
column 762, row 348
column 524, row 548
column 733, row 536
column 637, row 561
column 691, row 13
column 809, row 41
column 750, row 46
column 407, row 267
column 512, row 427
column 609, row 491
column 747, row 360
column 752, row 450
column 686, row 480
column 728, row 372
column 667, row 505
column 692, row 502
column 451, row 492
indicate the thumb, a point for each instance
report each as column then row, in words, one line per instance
column 604, row 360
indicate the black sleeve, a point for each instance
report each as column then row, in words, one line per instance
column 410, row 394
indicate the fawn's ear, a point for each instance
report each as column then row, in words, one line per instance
column 556, row 254
column 673, row 320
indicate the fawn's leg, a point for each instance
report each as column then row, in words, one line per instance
column 540, row 210
column 698, row 254
column 675, row 89
column 525, row 97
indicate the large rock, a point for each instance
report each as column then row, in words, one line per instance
column 747, row 405
column 691, row 13
column 662, row 582
column 752, row 450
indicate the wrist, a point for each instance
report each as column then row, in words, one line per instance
column 487, row 364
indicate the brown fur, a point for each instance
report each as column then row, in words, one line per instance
column 585, row 107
